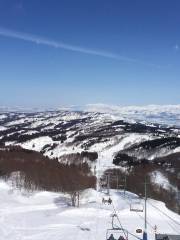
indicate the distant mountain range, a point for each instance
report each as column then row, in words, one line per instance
column 57, row 133
column 163, row 114
column 105, row 137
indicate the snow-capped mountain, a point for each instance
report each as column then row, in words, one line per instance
column 59, row 133
column 164, row 114
column 106, row 141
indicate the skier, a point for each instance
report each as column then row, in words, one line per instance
column 109, row 201
column 111, row 237
column 121, row 238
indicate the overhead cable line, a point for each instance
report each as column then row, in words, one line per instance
column 176, row 222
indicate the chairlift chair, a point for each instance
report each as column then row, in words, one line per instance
column 103, row 183
column 136, row 206
column 116, row 232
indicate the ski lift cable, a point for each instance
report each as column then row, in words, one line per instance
column 134, row 235
column 123, row 228
column 171, row 226
column 119, row 220
column 137, row 214
column 162, row 213
column 176, row 222
column 140, row 215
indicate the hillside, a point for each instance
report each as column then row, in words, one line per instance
column 104, row 141
column 48, row 216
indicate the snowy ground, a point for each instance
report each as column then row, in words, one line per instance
column 48, row 216
column 107, row 151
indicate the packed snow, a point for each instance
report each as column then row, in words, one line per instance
column 49, row 216
column 108, row 151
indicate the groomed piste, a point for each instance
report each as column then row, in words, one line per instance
column 49, row 216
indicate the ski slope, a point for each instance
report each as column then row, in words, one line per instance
column 49, row 216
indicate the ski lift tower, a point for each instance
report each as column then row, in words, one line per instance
column 116, row 231
column 145, row 211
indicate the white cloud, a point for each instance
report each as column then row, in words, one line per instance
column 56, row 44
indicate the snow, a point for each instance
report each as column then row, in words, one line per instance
column 108, row 149
column 9, row 143
column 2, row 128
column 176, row 150
column 162, row 131
column 161, row 180
column 63, row 149
column 37, row 144
column 166, row 114
column 69, row 138
column 51, row 120
column 31, row 132
column 17, row 122
column 3, row 116
column 48, row 216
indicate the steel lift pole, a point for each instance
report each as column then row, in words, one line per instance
column 145, row 212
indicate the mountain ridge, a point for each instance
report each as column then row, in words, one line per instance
column 164, row 114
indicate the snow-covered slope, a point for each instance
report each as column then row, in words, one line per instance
column 60, row 133
column 47, row 216
column 166, row 114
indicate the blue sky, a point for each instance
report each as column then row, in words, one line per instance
column 74, row 52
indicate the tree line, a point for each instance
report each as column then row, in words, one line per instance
column 37, row 172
